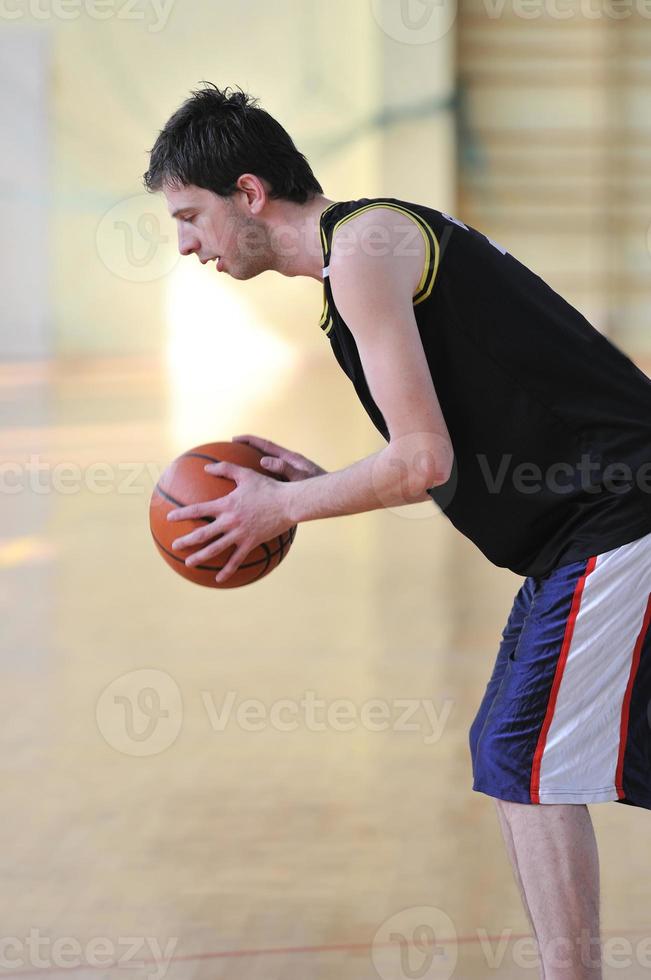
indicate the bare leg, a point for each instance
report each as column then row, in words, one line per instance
column 556, row 864
column 510, row 847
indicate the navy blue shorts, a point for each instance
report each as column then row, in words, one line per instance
column 566, row 717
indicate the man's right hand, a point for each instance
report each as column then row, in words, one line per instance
column 280, row 461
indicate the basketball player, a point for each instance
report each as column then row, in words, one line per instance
column 503, row 405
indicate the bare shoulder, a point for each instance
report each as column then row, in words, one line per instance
column 382, row 244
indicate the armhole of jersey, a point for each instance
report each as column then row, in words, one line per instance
column 326, row 319
column 430, row 266
column 324, row 312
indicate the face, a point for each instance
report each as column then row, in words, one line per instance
column 223, row 230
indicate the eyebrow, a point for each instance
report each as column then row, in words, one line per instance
column 178, row 211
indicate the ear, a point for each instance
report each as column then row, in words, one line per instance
column 255, row 190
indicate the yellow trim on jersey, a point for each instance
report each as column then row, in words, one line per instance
column 324, row 240
column 329, row 327
column 324, row 311
column 422, row 225
column 324, row 247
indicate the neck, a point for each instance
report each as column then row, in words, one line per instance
column 295, row 229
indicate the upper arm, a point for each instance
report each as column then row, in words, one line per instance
column 373, row 290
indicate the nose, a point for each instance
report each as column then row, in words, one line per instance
column 188, row 243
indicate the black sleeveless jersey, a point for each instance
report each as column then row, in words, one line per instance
column 550, row 422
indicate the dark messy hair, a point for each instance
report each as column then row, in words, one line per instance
column 217, row 135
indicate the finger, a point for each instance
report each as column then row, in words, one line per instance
column 251, row 440
column 206, row 508
column 264, row 445
column 233, row 563
column 201, row 535
column 225, row 468
column 279, row 467
column 197, row 557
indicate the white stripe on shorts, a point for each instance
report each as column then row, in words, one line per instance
column 583, row 740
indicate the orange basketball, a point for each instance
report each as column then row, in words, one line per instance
column 186, row 482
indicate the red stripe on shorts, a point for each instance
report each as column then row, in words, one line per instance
column 623, row 732
column 534, row 788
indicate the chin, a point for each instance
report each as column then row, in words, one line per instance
column 244, row 274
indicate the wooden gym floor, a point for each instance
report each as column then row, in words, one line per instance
column 204, row 784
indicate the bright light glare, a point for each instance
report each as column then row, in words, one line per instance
column 223, row 360
column 24, row 551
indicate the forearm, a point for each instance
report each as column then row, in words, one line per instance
column 378, row 481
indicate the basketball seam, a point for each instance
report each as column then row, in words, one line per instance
column 177, row 503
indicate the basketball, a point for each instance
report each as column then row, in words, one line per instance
column 184, row 482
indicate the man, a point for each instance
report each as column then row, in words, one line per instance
column 501, row 403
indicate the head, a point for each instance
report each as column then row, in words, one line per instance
column 222, row 162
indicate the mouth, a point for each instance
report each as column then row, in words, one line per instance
column 217, row 259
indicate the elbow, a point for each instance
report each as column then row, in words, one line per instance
column 424, row 465
column 441, row 463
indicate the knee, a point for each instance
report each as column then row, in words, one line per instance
column 509, row 807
